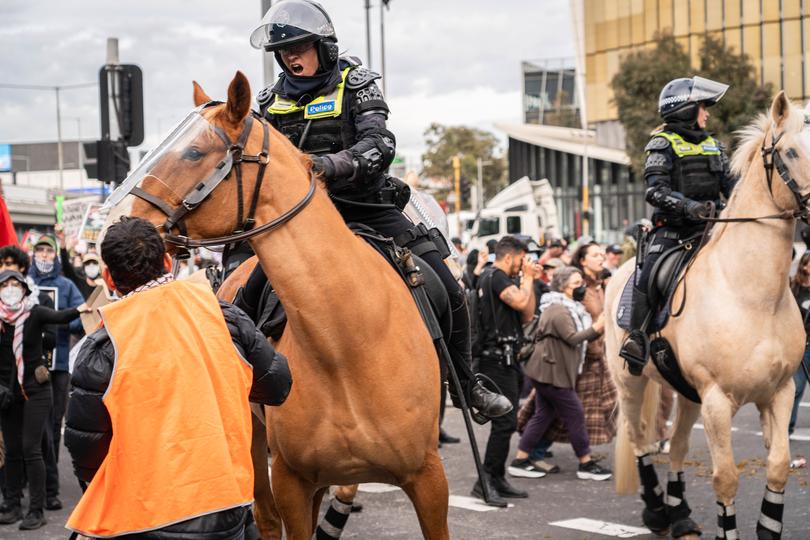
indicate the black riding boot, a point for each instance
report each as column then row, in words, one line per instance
column 487, row 403
column 636, row 347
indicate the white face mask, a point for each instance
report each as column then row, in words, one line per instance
column 11, row 295
column 44, row 267
column 91, row 270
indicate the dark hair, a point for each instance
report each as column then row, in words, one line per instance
column 133, row 252
column 509, row 245
column 17, row 255
column 579, row 254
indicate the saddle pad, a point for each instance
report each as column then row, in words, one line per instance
column 626, row 308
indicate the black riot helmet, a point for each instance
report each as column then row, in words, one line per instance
column 295, row 22
column 680, row 98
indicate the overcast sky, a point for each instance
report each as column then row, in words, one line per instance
column 455, row 62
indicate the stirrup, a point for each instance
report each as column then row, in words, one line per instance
column 635, row 351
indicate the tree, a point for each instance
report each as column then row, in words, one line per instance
column 642, row 75
column 444, row 142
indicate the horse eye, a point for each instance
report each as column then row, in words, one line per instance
column 193, row 154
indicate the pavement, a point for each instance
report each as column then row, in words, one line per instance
column 557, row 497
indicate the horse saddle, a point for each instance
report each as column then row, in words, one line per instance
column 663, row 280
column 272, row 318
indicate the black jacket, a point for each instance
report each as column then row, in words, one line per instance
column 88, row 428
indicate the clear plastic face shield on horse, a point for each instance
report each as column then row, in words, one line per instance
column 192, row 150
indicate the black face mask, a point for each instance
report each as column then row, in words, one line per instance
column 578, row 294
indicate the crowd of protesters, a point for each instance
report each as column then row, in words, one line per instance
column 556, row 290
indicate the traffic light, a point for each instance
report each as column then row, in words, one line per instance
column 112, row 161
column 122, row 84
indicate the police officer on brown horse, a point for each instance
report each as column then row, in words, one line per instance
column 331, row 108
column 686, row 171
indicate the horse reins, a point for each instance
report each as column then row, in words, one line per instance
column 245, row 223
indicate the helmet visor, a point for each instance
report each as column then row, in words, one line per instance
column 193, row 149
column 291, row 21
column 707, row 91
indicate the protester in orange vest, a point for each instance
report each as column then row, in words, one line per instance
column 158, row 420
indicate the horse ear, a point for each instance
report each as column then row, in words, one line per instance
column 780, row 108
column 200, row 96
column 238, row 98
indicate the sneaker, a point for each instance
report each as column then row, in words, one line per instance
column 523, row 468
column 545, row 466
column 53, row 503
column 10, row 513
column 593, row 471
column 34, row 519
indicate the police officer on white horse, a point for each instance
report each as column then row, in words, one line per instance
column 686, row 171
column 330, row 108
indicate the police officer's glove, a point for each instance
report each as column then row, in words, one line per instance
column 697, row 210
column 323, row 165
column 367, row 164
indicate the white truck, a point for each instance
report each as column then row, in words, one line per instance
column 525, row 207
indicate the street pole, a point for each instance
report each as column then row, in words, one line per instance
column 267, row 57
column 383, row 7
column 479, row 184
column 368, row 33
column 60, row 156
column 457, row 189
column 577, row 18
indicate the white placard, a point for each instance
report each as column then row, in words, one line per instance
column 601, row 527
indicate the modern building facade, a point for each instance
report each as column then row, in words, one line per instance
column 549, row 93
column 773, row 33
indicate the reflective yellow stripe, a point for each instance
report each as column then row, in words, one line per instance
column 328, row 106
column 681, row 147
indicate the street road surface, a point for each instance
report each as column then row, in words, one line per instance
column 556, row 498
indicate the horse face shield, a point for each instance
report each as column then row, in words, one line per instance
column 193, row 154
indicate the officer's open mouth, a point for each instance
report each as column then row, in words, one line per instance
column 297, row 68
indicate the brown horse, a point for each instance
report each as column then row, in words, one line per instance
column 739, row 339
column 364, row 406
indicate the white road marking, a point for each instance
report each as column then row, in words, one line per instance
column 601, row 527
column 471, row 503
column 374, row 487
column 804, row 404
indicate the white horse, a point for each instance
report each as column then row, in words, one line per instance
column 739, row 339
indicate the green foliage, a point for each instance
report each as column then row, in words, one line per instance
column 444, row 142
column 644, row 73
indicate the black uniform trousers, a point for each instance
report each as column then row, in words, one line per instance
column 664, row 238
column 500, row 435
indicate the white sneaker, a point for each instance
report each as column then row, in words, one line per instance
column 593, row 471
column 523, row 468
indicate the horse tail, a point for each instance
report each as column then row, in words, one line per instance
column 625, row 472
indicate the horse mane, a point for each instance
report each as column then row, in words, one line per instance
column 750, row 138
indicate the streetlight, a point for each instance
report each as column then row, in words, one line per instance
column 57, row 89
column 383, row 4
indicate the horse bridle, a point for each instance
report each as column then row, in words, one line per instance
column 771, row 159
column 200, row 192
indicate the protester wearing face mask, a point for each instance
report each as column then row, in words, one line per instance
column 566, row 329
column 85, row 274
column 24, row 372
column 46, row 272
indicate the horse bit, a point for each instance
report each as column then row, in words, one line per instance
column 200, row 192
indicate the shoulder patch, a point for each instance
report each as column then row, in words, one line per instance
column 264, row 97
column 657, row 160
column 656, row 143
column 360, row 77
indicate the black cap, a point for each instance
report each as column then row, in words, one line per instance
column 615, row 249
column 6, row 275
column 556, row 242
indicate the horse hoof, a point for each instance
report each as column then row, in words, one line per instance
column 685, row 528
column 656, row 521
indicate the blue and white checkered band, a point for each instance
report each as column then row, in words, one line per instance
column 675, row 99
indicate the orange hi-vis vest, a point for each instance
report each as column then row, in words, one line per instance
column 181, row 426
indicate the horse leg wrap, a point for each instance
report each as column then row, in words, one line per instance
column 654, row 514
column 678, row 510
column 769, row 526
column 333, row 522
column 726, row 522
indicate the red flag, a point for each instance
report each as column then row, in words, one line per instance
column 7, row 234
